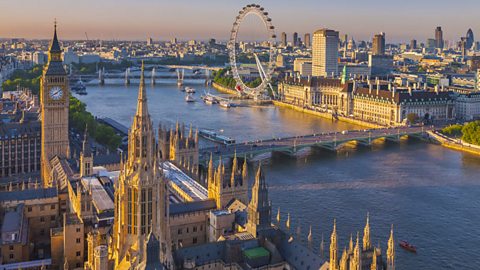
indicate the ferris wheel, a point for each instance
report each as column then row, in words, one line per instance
column 266, row 71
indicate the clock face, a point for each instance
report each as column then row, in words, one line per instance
column 56, row 93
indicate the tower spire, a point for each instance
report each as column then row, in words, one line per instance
column 278, row 215
column 366, row 234
column 259, row 208
column 55, row 46
column 391, row 251
column 333, row 247
column 142, row 109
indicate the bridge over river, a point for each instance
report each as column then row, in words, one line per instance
column 332, row 141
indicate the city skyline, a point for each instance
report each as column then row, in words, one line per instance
column 213, row 19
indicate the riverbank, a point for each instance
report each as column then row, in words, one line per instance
column 223, row 89
column 326, row 115
column 452, row 143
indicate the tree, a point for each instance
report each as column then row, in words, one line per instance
column 471, row 132
column 453, row 130
column 412, row 118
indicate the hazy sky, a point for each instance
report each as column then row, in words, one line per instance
column 402, row 20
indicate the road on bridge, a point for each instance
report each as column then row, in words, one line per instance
column 321, row 138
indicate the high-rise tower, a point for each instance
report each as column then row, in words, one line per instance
column 439, row 38
column 54, row 99
column 325, row 53
column 284, row 39
column 307, row 40
column 378, row 44
column 470, row 39
column 295, row 40
column 259, row 210
column 141, row 195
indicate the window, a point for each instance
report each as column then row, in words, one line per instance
column 12, row 256
column 42, row 219
column 179, row 231
column 194, row 240
column 42, row 207
column 194, row 229
column 42, row 232
column 78, row 240
column 29, row 209
column 11, row 247
column 52, row 218
column 78, row 229
column 52, row 206
column 78, row 254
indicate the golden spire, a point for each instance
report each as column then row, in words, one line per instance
column 310, row 237
column 333, row 247
column 234, row 169
column 142, row 108
column 343, row 260
column 322, row 247
column 366, row 234
column 373, row 266
column 391, row 251
column 245, row 171
column 190, row 132
column 356, row 254
column 287, row 224
column 350, row 244
column 278, row 215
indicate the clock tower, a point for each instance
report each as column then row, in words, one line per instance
column 54, row 99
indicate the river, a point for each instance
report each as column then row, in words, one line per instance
column 430, row 194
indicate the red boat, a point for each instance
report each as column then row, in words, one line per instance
column 408, row 246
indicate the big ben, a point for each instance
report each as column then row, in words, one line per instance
column 54, row 99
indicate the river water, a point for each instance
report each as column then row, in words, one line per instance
column 430, row 194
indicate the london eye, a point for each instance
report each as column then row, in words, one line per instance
column 265, row 71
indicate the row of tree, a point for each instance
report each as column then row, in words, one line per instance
column 24, row 78
column 468, row 132
column 80, row 118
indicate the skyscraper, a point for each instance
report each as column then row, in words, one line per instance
column 378, row 46
column 439, row 38
column 469, row 39
column 284, row 39
column 295, row 39
column 325, row 53
column 413, row 44
column 307, row 40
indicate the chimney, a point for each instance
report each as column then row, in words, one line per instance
column 436, row 89
column 410, row 91
column 425, row 86
column 389, row 86
column 378, row 85
column 309, row 77
column 408, row 83
column 370, row 86
column 393, row 92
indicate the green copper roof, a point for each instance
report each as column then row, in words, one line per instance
column 254, row 253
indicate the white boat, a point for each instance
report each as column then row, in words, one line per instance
column 209, row 100
column 189, row 90
column 189, row 98
column 225, row 103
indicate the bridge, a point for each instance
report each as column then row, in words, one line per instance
column 332, row 141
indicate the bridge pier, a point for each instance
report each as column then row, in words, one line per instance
column 153, row 76
column 101, row 76
column 127, row 76
column 180, row 76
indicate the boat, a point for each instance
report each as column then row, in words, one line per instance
column 79, row 88
column 407, row 246
column 209, row 99
column 189, row 98
column 225, row 103
column 213, row 136
column 189, row 90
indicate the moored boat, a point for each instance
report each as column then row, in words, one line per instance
column 407, row 246
column 189, row 98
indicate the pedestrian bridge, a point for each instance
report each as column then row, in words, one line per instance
column 332, row 141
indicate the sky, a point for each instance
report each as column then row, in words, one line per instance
column 401, row 20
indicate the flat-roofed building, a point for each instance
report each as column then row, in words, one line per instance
column 325, row 53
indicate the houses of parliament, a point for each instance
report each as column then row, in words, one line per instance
column 153, row 213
